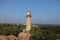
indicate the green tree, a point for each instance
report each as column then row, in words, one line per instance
column 36, row 33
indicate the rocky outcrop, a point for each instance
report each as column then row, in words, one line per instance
column 23, row 36
column 3, row 37
column 12, row 37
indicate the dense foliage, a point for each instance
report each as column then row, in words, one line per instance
column 38, row 32
column 10, row 29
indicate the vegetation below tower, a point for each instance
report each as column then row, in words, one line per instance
column 38, row 32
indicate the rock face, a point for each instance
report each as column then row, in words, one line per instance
column 12, row 37
column 21, row 36
column 24, row 36
column 3, row 37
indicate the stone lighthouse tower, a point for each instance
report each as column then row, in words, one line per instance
column 28, row 21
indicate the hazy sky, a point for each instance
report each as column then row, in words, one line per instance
column 42, row 11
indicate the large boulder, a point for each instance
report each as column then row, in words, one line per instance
column 23, row 36
column 12, row 37
column 3, row 37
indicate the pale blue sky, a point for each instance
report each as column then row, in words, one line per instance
column 42, row 11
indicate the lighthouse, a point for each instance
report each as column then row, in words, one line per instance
column 28, row 21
